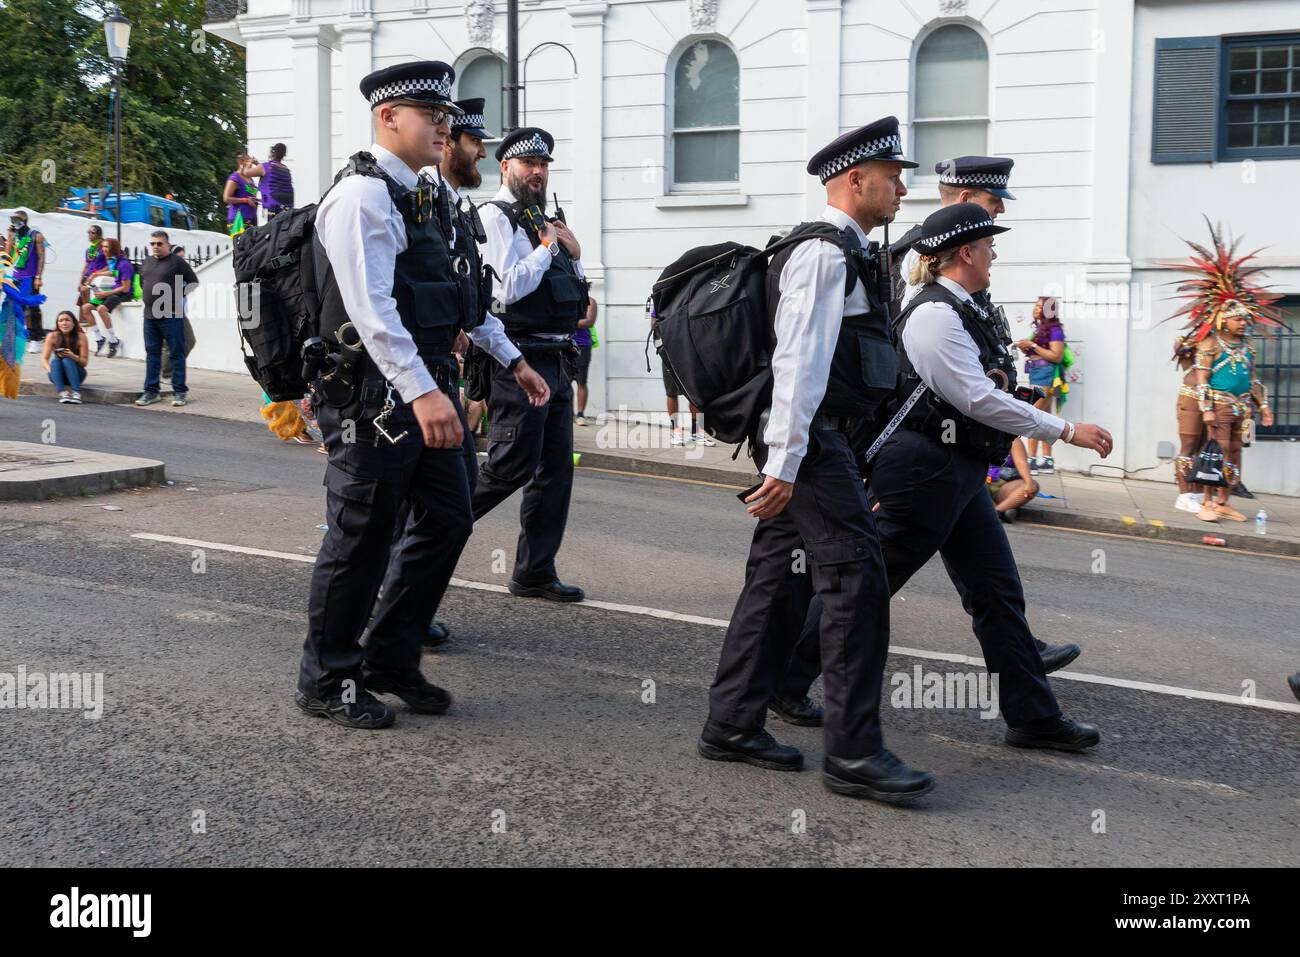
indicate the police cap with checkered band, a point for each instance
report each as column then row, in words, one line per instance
column 989, row 173
column 421, row 81
column 876, row 141
column 471, row 120
column 526, row 141
column 954, row 226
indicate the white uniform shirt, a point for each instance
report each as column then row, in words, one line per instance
column 808, row 318
column 947, row 360
column 518, row 265
column 491, row 335
column 910, row 259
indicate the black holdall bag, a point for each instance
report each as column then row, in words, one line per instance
column 712, row 331
column 276, row 300
column 1208, row 468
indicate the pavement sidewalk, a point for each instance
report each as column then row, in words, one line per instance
column 1131, row 507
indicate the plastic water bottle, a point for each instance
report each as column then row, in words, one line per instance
column 1261, row 522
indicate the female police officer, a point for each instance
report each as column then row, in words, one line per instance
column 929, row 475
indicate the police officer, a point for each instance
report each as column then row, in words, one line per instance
column 459, row 171
column 963, row 417
column 390, row 311
column 540, row 295
column 832, row 365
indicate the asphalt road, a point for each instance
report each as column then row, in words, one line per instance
column 550, row 733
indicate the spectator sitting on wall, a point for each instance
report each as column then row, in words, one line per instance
column 107, row 289
column 95, row 261
column 65, row 355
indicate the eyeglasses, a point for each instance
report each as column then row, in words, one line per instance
column 436, row 116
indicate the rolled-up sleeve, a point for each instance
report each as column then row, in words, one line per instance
column 362, row 235
column 945, row 358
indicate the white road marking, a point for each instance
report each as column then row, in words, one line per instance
column 722, row 623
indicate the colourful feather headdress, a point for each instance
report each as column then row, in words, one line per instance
column 1223, row 287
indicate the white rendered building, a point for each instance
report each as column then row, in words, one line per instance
column 689, row 122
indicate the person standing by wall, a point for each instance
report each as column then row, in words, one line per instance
column 274, row 181
column 1045, row 351
column 25, row 248
column 241, row 198
column 165, row 279
column 584, row 342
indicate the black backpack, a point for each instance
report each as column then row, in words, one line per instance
column 276, row 301
column 712, row 330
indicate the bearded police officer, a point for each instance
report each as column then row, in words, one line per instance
column 391, row 308
column 833, row 364
column 540, row 294
column 458, row 171
column 958, row 414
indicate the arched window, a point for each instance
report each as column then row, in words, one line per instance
column 950, row 115
column 485, row 76
column 706, row 114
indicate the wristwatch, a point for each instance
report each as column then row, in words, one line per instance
column 513, row 363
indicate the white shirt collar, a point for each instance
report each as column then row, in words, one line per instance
column 504, row 194
column 393, row 166
column 837, row 217
column 956, row 288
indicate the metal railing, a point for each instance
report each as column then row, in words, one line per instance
column 196, row 256
column 1278, row 367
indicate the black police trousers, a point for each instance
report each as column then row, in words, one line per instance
column 532, row 449
column 369, row 485
column 932, row 498
column 825, row 533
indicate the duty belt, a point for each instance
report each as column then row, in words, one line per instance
column 533, row 344
column 831, row 423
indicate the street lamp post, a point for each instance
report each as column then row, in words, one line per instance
column 117, row 35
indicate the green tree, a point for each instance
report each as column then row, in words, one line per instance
column 183, row 103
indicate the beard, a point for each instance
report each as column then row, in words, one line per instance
column 462, row 166
column 520, row 191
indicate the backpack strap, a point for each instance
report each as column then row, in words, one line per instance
column 845, row 239
column 512, row 211
column 364, row 163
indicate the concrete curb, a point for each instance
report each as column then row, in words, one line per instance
column 1249, row 543
column 90, row 394
column 34, row 473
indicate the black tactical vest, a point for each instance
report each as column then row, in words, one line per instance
column 558, row 302
column 474, row 275
column 426, row 285
column 937, row 418
column 864, row 366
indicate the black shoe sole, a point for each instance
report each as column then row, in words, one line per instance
column 530, row 591
column 418, row 705
column 318, row 709
column 1294, row 682
column 1020, row 739
column 1067, row 660
column 715, row 753
column 856, row 789
column 797, row 721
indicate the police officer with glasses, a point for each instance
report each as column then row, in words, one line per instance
column 391, row 309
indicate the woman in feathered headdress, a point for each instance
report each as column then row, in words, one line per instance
column 1220, row 392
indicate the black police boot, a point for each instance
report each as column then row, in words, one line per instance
column 881, row 777
column 367, row 712
column 1294, row 682
column 1056, row 657
column 805, row 712
column 438, row 634
column 421, row 695
column 1058, row 733
column 553, row 591
column 721, row 742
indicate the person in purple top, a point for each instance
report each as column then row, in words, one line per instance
column 582, row 342
column 108, row 288
column 95, row 261
column 25, row 248
column 275, row 182
column 1045, row 351
column 240, row 196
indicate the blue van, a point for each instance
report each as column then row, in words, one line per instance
column 161, row 211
